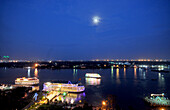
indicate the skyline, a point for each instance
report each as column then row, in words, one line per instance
column 67, row 30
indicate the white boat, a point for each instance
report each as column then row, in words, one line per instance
column 27, row 81
column 63, row 86
column 92, row 75
column 6, row 87
column 157, row 100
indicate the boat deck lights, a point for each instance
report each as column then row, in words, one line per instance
column 92, row 75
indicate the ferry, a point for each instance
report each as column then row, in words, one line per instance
column 27, row 81
column 92, row 75
column 63, row 86
column 157, row 100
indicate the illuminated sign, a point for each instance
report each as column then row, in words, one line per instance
column 35, row 96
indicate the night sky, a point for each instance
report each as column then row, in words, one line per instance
column 64, row 29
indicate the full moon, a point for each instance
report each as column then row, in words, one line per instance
column 96, row 20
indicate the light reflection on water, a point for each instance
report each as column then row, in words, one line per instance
column 29, row 69
column 111, row 72
column 74, row 74
column 93, row 81
column 36, row 72
column 117, row 76
column 135, row 76
column 161, row 80
column 128, row 90
column 124, row 73
column 117, row 73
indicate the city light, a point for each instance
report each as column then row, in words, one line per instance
column 18, row 79
column 84, row 55
column 48, row 83
column 103, row 103
column 72, row 101
column 64, row 93
column 36, row 65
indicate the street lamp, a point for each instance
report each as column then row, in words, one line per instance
column 36, row 65
column 103, row 103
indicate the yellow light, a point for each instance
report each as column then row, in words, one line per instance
column 79, row 101
column 36, row 72
column 36, row 65
column 18, row 79
column 59, row 85
column 103, row 103
column 25, row 79
column 48, row 83
column 43, row 97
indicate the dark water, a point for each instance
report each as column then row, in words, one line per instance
column 128, row 85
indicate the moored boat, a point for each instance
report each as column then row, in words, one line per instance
column 157, row 100
column 6, row 87
column 92, row 75
column 63, row 86
column 27, row 81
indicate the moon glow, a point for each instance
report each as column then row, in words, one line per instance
column 96, row 20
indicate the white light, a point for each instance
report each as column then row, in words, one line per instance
column 72, row 101
column 25, row 79
column 96, row 20
column 48, row 83
column 93, row 75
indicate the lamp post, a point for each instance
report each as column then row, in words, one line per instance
column 104, row 104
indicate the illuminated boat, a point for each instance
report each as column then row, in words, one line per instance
column 6, row 87
column 92, row 75
column 157, row 100
column 27, row 81
column 63, row 86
